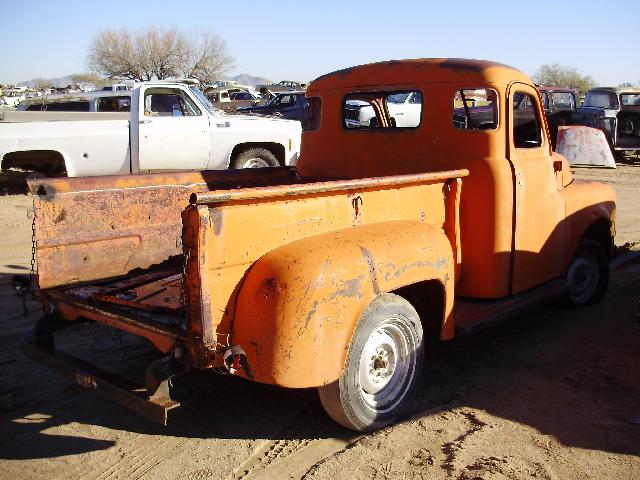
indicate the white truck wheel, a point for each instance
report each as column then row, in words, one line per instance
column 383, row 367
column 255, row 158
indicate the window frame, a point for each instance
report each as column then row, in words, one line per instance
column 177, row 92
column 535, row 109
column 496, row 109
column 381, row 94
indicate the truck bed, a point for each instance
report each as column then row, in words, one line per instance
column 126, row 268
column 11, row 116
column 77, row 242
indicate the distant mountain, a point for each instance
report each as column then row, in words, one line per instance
column 55, row 82
column 251, row 81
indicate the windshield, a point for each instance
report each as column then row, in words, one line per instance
column 600, row 99
column 630, row 98
column 398, row 97
column 276, row 100
column 203, row 100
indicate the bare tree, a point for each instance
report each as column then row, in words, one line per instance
column 158, row 53
column 113, row 53
column 206, row 57
column 563, row 76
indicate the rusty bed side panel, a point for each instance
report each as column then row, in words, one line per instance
column 101, row 227
column 237, row 240
column 300, row 303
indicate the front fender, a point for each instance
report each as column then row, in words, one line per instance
column 299, row 304
column 587, row 203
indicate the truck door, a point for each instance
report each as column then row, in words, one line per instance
column 173, row 131
column 539, row 210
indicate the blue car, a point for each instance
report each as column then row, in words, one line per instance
column 289, row 105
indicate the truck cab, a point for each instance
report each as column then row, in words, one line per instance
column 522, row 214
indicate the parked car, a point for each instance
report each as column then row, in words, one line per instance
column 615, row 111
column 282, row 86
column 116, row 87
column 103, row 101
column 171, row 127
column 290, row 105
column 559, row 104
column 231, row 98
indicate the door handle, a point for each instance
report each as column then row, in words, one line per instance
column 557, row 165
column 145, row 120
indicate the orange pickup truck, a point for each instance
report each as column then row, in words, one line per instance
column 427, row 203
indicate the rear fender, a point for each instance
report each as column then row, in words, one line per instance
column 299, row 304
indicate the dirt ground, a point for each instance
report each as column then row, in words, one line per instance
column 554, row 395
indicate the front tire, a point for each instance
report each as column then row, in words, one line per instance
column 588, row 274
column 255, row 158
column 384, row 363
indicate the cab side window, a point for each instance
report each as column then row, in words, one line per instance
column 475, row 109
column 376, row 110
column 169, row 103
column 527, row 132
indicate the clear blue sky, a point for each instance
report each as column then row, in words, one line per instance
column 302, row 40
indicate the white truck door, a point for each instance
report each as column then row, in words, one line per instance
column 173, row 131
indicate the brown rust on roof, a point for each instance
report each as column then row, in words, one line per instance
column 421, row 70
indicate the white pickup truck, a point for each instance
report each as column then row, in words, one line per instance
column 171, row 127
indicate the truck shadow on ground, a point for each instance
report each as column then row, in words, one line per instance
column 633, row 161
column 570, row 374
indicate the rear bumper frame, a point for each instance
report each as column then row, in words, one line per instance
column 152, row 400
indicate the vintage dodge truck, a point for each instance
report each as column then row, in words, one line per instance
column 171, row 127
column 334, row 274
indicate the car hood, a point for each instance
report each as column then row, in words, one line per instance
column 255, row 122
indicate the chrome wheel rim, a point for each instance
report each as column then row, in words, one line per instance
column 256, row 162
column 387, row 365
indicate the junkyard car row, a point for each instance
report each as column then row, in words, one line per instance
column 398, row 224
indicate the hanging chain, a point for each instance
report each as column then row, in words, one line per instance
column 33, row 250
column 23, row 292
column 186, row 254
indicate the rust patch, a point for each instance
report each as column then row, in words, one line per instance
column 310, row 314
column 356, row 203
column 372, row 268
column 61, row 216
column 391, row 269
column 216, row 219
column 350, row 289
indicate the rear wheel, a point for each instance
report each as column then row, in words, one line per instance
column 383, row 366
column 255, row 158
column 588, row 274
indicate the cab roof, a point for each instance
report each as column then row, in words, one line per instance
column 420, row 70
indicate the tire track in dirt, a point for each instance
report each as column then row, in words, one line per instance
column 317, row 437
column 142, row 454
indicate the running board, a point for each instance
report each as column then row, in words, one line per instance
column 473, row 315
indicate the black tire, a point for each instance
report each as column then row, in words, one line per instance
column 587, row 275
column 374, row 386
column 255, row 158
